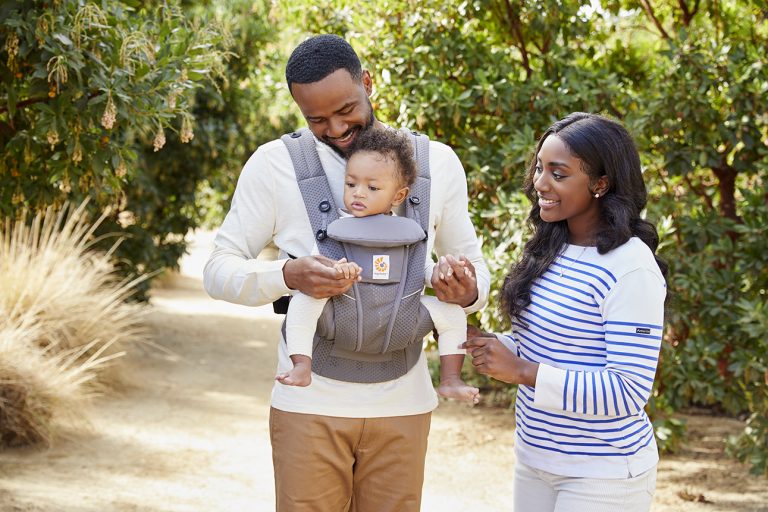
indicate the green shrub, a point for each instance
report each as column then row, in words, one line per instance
column 84, row 87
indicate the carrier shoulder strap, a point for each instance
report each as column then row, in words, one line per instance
column 315, row 190
column 418, row 197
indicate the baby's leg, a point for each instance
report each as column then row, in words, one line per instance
column 451, row 325
column 451, row 385
column 300, row 324
column 300, row 374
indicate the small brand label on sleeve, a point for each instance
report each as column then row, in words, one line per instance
column 380, row 266
column 643, row 330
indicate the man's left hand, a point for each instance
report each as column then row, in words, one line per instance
column 454, row 280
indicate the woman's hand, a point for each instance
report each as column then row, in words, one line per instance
column 491, row 357
column 474, row 332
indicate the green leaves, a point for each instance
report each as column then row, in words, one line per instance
column 72, row 57
column 85, row 86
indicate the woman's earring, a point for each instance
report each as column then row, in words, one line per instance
column 597, row 195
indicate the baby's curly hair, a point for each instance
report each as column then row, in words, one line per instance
column 391, row 144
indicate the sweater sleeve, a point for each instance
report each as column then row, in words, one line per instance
column 633, row 317
column 233, row 272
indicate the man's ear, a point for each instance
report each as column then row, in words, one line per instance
column 367, row 82
column 400, row 196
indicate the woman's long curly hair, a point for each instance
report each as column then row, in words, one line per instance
column 605, row 148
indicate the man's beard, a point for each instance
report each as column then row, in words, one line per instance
column 360, row 129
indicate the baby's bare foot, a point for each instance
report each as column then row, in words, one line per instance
column 459, row 390
column 300, row 375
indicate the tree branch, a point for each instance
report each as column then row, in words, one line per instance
column 31, row 101
column 726, row 176
column 613, row 110
column 649, row 11
column 24, row 103
column 688, row 14
column 699, row 192
column 514, row 24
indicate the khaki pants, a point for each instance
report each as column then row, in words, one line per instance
column 330, row 464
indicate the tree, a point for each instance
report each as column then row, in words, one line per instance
column 698, row 106
column 189, row 184
column 84, row 86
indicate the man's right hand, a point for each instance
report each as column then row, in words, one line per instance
column 316, row 276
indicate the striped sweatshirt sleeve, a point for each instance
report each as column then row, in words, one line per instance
column 633, row 316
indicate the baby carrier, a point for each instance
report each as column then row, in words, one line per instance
column 373, row 332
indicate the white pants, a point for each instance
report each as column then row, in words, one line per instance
column 540, row 491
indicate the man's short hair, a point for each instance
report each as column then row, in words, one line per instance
column 391, row 144
column 318, row 57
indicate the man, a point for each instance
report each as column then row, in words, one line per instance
column 339, row 445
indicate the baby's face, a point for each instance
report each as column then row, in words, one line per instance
column 372, row 184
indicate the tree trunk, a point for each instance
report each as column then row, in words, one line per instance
column 726, row 177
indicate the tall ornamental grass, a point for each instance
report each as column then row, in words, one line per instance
column 63, row 320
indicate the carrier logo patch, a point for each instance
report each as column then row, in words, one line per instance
column 380, row 266
column 642, row 330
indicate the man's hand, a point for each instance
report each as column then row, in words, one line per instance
column 454, row 280
column 316, row 276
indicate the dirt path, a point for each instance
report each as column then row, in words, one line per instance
column 189, row 432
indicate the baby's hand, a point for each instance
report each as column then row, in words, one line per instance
column 446, row 270
column 349, row 269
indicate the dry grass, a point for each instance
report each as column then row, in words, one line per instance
column 38, row 389
column 63, row 317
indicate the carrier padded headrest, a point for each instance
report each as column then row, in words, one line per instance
column 376, row 231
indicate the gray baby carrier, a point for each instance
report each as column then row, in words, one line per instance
column 373, row 332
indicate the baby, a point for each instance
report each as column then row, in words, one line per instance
column 379, row 172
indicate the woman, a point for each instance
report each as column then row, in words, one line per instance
column 586, row 303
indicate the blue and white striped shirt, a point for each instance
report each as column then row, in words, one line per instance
column 594, row 324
